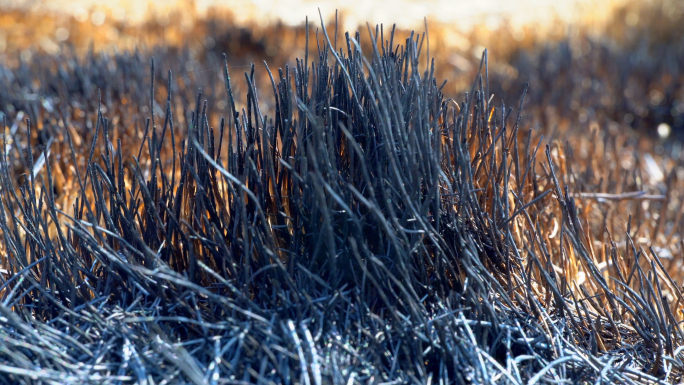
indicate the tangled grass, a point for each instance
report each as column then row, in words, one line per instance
column 345, row 222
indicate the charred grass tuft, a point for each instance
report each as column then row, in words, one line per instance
column 351, row 224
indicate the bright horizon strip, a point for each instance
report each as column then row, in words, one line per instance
column 405, row 13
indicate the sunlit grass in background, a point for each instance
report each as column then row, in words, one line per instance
column 405, row 13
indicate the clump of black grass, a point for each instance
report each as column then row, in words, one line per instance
column 361, row 231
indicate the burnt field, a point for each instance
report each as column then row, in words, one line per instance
column 362, row 207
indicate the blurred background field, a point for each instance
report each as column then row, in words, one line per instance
column 620, row 55
column 589, row 63
column 406, row 13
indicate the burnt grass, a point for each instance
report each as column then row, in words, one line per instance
column 338, row 220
